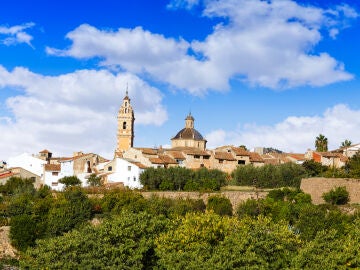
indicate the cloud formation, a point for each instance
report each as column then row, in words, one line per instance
column 75, row 109
column 263, row 43
column 14, row 35
column 295, row 133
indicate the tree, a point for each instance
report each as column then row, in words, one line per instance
column 220, row 205
column 125, row 241
column 337, row 196
column 346, row 143
column 94, row 181
column 321, row 143
column 70, row 181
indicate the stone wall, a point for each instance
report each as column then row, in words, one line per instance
column 317, row 186
column 235, row 197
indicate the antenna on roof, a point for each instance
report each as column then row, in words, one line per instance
column 127, row 86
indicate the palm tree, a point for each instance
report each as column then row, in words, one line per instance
column 321, row 143
column 345, row 143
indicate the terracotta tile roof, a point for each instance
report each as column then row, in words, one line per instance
column 176, row 154
column 53, row 167
column 224, row 156
column 198, row 152
column 6, row 174
column 240, row 151
column 298, row 156
column 140, row 165
column 156, row 160
column 328, row 154
column 45, row 151
column 148, row 151
column 167, row 159
column 255, row 157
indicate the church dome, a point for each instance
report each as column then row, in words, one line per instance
column 189, row 133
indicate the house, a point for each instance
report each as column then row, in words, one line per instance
column 331, row 159
column 28, row 162
column 121, row 170
column 20, row 172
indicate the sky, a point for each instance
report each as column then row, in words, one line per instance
column 255, row 73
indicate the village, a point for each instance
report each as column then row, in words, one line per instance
column 188, row 149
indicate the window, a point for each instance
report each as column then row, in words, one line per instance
column 33, row 178
column 134, row 178
column 129, row 178
column 221, row 161
column 206, row 157
column 196, row 156
column 55, row 173
column 54, row 184
column 125, row 110
column 241, row 162
column 129, row 168
column 125, row 104
column 110, row 168
column 124, row 125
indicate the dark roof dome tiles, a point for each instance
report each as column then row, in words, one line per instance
column 189, row 133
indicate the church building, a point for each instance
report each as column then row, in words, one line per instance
column 189, row 136
column 125, row 132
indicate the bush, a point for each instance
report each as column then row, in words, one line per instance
column 22, row 232
column 337, row 196
column 269, row 176
column 70, row 181
column 220, row 205
column 179, row 178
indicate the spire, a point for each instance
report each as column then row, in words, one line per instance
column 127, row 93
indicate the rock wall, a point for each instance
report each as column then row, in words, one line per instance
column 235, row 197
column 317, row 186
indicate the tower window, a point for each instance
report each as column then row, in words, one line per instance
column 125, row 104
column 125, row 110
column 124, row 125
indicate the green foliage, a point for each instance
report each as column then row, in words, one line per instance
column 117, row 200
column 179, row 178
column 329, row 250
column 353, row 166
column 123, row 242
column 17, row 185
column 209, row 241
column 314, row 168
column 337, row 196
column 269, row 176
column 220, row 205
column 321, row 143
column 22, row 231
column 94, row 181
column 68, row 211
column 346, row 143
column 70, row 181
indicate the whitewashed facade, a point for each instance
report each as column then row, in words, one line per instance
column 29, row 163
column 121, row 170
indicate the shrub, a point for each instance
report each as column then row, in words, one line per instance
column 70, row 181
column 337, row 196
column 22, row 232
column 220, row 205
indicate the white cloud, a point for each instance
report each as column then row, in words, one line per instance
column 179, row 4
column 16, row 34
column 75, row 111
column 296, row 133
column 266, row 43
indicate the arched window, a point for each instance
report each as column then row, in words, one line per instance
column 125, row 110
column 125, row 104
column 124, row 125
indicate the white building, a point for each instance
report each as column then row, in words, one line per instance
column 29, row 163
column 125, row 171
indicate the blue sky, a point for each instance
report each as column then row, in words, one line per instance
column 255, row 73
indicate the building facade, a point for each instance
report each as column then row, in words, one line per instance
column 125, row 131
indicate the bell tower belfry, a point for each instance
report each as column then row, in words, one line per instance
column 125, row 132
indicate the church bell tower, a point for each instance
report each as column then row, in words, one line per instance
column 125, row 132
